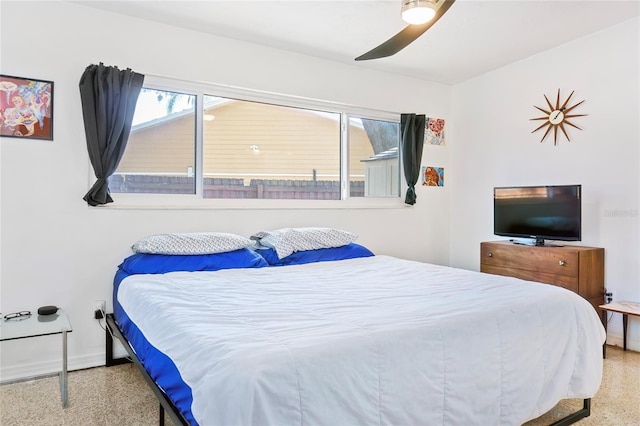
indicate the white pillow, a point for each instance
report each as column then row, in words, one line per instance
column 288, row 240
column 191, row 243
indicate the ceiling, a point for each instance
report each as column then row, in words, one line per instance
column 473, row 37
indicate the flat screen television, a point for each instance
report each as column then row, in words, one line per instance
column 538, row 212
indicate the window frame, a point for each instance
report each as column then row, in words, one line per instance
column 123, row 200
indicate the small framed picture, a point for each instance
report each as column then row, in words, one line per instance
column 432, row 176
column 434, row 131
column 26, row 108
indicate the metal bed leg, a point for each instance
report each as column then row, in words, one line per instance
column 574, row 417
column 161, row 419
column 109, row 360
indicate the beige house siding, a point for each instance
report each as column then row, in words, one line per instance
column 248, row 140
column 166, row 148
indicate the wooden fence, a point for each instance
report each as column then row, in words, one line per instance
column 235, row 188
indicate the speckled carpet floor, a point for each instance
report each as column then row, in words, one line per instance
column 119, row 396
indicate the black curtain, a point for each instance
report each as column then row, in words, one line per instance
column 412, row 134
column 109, row 97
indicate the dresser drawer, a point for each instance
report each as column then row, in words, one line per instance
column 565, row 281
column 536, row 260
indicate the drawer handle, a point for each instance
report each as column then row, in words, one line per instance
column 489, row 254
column 561, row 262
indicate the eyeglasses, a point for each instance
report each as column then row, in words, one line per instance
column 17, row 315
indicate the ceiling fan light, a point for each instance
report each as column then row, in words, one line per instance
column 418, row 12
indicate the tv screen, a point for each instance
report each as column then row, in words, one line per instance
column 538, row 212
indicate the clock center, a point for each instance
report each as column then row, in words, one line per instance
column 556, row 117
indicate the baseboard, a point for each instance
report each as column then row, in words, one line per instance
column 632, row 345
column 47, row 368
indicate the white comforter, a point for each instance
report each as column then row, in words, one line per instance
column 377, row 340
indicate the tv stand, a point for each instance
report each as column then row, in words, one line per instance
column 538, row 242
column 576, row 268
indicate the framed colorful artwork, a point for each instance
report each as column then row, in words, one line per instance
column 432, row 176
column 434, row 131
column 26, row 108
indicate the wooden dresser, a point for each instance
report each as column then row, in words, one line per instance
column 576, row 268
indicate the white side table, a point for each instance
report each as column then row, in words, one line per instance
column 41, row 325
column 625, row 308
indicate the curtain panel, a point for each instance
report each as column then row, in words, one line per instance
column 109, row 97
column 412, row 128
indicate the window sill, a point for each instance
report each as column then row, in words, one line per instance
column 191, row 202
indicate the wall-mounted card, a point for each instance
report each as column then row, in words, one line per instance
column 434, row 131
column 432, row 176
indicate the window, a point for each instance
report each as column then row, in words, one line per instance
column 259, row 150
column 374, row 169
column 218, row 143
column 160, row 154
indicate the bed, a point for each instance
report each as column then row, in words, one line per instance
column 361, row 339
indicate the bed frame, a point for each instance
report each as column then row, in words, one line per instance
column 113, row 330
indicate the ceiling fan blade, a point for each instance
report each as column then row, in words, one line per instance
column 404, row 37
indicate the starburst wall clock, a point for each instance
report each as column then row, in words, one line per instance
column 556, row 117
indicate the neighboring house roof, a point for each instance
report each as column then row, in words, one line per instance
column 210, row 103
column 213, row 102
column 384, row 155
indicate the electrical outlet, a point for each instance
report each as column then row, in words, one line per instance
column 608, row 296
column 99, row 307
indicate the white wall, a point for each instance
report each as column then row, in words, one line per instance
column 57, row 250
column 495, row 147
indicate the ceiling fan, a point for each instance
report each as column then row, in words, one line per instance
column 433, row 9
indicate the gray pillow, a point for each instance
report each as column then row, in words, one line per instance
column 288, row 240
column 191, row 243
